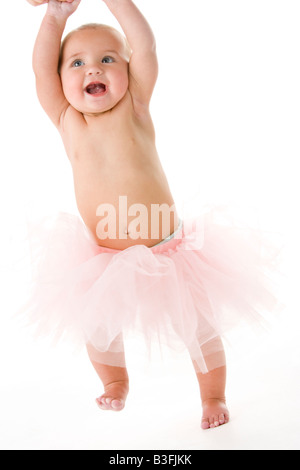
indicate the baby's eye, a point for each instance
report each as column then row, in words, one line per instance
column 107, row 60
column 77, row 63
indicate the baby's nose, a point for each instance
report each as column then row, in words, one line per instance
column 94, row 70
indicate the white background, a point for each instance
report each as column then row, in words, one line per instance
column 226, row 109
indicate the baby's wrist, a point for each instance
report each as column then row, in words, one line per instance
column 56, row 21
column 114, row 1
column 60, row 17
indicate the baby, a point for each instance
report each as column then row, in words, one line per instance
column 96, row 88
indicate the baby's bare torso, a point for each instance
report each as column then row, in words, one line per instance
column 121, row 189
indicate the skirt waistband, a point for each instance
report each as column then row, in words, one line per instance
column 170, row 236
column 168, row 243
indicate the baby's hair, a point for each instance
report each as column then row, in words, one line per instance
column 92, row 26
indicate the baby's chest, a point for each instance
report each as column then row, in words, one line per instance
column 108, row 140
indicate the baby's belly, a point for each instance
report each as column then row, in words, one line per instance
column 122, row 214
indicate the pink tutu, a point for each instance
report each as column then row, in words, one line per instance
column 209, row 280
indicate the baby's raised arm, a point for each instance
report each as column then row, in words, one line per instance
column 143, row 66
column 46, row 57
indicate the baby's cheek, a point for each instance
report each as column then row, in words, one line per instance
column 122, row 84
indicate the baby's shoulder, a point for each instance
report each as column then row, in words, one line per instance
column 71, row 118
column 75, row 122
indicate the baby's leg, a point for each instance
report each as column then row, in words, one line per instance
column 212, row 387
column 115, row 380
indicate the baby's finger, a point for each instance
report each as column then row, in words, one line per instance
column 36, row 3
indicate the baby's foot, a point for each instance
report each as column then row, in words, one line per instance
column 215, row 413
column 114, row 396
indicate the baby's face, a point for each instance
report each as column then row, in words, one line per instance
column 94, row 70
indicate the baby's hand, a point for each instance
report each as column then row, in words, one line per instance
column 62, row 8
column 36, row 3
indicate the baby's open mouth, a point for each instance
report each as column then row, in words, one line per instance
column 95, row 88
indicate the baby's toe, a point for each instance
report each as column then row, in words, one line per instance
column 214, row 421
column 117, row 405
column 205, row 423
column 103, row 403
column 109, row 403
column 100, row 403
column 222, row 419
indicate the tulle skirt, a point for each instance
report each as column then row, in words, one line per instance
column 211, row 280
